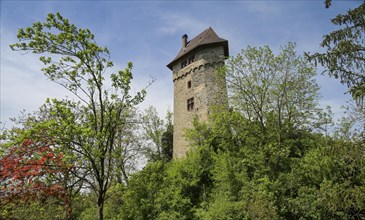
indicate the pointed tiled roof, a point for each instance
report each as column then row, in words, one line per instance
column 206, row 37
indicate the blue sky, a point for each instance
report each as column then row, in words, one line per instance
column 148, row 33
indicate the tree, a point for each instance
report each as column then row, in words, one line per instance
column 88, row 129
column 264, row 158
column 129, row 148
column 167, row 140
column 351, row 126
column 158, row 135
column 269, row 128
column 327, row 3
column 277, row 90
column 329, row 181
column 32, row 171
column 153, row 128
column 140, row 200
column 345, row 51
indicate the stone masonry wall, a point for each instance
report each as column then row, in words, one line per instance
column 206, row 89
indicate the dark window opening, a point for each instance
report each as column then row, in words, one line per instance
column 191, row 59
column 190, row 103
column 184, row 63
column 189, row 84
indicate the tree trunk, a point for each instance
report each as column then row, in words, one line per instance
column 69, row 211
column 100, row 206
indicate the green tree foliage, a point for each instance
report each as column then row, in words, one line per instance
column 329, row 181
column 167, row 140
column 243, row 170
column 173, row 190
column 345, row 51
column 50, row 208
column 277, row 89
column 129, row 148
column 88, row 130
column 327, row 3
column 142, row 192
column 256, row 161
column 267, row 157
column 158, row 135
column 278, row 98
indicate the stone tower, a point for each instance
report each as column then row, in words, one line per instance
column 196, row 86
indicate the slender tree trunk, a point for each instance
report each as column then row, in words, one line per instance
column 69, row 210
column 100, row 206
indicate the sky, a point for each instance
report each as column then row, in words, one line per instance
column 148, row 33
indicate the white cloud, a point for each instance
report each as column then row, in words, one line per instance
column 23, row 86
column 148, row 34
column 160, row 92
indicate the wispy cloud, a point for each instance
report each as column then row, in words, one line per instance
column 23, row 86
column 173, row 23
column 262, row 8
column 148, row 34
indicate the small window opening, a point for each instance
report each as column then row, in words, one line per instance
column 191, row 59
column 189, row 84
column 184, row 63
column 190, row 103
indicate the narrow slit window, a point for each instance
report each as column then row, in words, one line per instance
column 189, row 84
column 190, row 103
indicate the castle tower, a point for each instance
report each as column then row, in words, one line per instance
column 196, row 85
